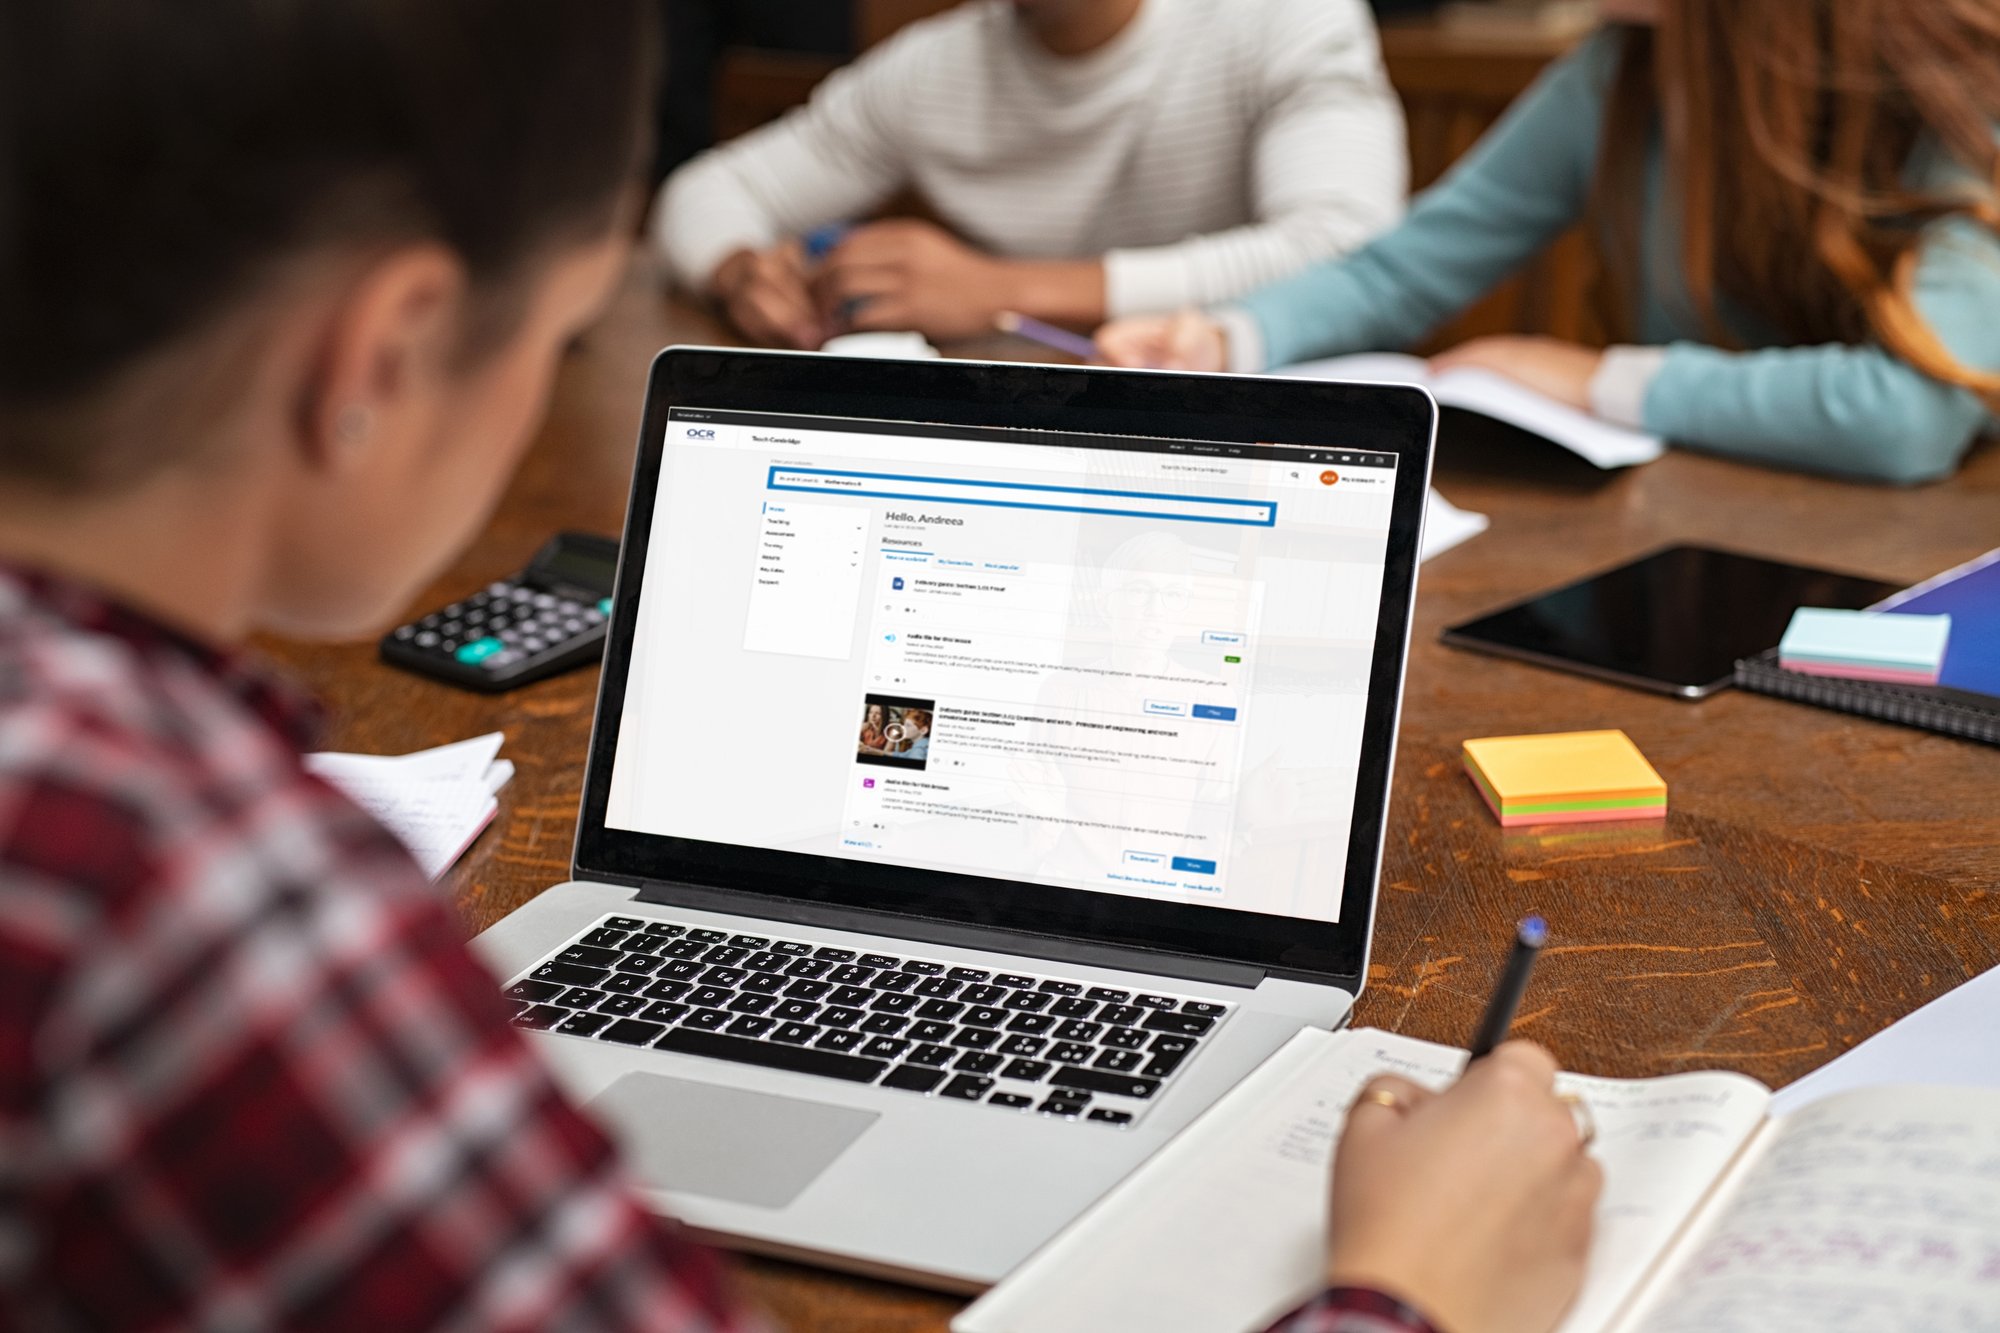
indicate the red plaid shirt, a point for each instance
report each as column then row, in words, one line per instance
column 250, row 1077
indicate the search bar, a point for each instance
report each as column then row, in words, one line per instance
column 1024, row 495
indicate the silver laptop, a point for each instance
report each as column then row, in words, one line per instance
column 989, row 771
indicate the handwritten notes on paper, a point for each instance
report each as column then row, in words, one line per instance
column 1871, row 1212
column 1662, row 1142
column 435, row 801
column 1226, row 1227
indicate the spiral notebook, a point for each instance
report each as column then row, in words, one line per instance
column 1965, row 701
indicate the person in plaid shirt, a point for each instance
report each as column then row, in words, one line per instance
column 282, row 288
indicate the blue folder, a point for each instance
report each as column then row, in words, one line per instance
column 1970, row 595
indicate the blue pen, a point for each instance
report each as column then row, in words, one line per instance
column 820, row 241
column 1528, row 940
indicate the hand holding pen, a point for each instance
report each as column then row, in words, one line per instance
column 1475, row 1203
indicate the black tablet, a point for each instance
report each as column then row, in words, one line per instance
column 1674, row 621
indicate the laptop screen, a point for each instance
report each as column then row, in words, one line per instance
column 1130, row 666
column 1133, row 666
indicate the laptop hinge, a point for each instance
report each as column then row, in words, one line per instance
column 954, row 933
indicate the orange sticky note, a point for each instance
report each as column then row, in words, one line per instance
column 1569, row 777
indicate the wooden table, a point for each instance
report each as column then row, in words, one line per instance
column 1818, row 877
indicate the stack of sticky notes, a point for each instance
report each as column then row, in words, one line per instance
column 1571, row 777
column 1866, row 645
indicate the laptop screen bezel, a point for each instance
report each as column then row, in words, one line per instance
column 1383, row 419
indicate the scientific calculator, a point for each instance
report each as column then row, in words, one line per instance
column 545, row 620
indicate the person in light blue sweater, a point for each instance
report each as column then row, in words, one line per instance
column 1805, row 273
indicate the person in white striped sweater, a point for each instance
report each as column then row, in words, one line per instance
column 1085, row 159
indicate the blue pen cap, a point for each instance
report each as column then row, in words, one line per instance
column 819, row 242
column 1534, row 932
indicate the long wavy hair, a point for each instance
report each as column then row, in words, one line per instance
column 1788, row 126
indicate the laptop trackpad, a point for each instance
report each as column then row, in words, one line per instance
column 726, row 1143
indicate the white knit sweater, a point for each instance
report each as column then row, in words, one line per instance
column 1213, row 146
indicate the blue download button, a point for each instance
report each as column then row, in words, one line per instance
column 1193, row 866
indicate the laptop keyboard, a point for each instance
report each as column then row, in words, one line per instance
column 1009, row 1039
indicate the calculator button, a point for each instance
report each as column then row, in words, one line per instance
column 604, row 607
column 532, row 644
column 521, row 595
column 427, row 640
column 449, row 645
column 406, row 631
column 512, row 635
column 475, row 617
column 452, row 627
column 472, row 654
column 502, row 659
column 544, row 600
column 500, row 589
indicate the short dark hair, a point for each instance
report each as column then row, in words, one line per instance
column 157, row 158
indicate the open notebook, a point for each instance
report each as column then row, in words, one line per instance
column 1473, row 390
column 435, row 801
column 1875, row 1210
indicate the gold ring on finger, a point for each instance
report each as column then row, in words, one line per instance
column 1586, row 1123
column 1383, row 1097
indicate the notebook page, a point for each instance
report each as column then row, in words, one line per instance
column 1591, row 438
column 460, row 761
column 1225, row 1228
column 435, row 801
column 435, row 820
column 1875, row 1211
column 1594, row 440
column 1363, row 368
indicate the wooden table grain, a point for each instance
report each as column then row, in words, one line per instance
column 1818, row 876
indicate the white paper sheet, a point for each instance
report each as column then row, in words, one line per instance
column 435, row 801
column 1949, row 1041
column 1446, row 526
column 882, row 346
column 1597, row 442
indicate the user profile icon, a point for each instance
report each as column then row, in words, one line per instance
column 1328, row 477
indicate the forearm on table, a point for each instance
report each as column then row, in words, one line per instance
column 1059, row 291
column 825, row 163
column 1224, row 265
column 1850, row 411
column 702, row 220
column 1517, row 189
